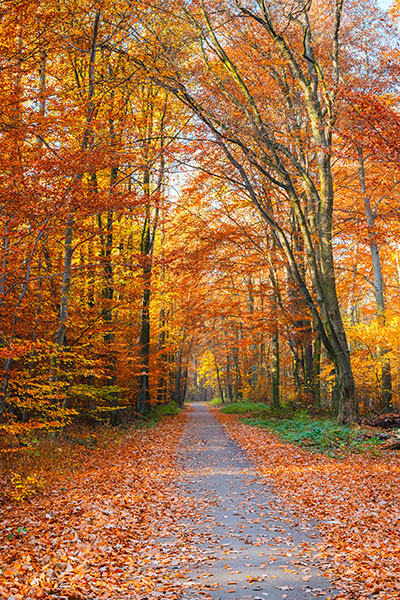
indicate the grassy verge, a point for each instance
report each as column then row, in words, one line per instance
column 353, row 498
column 215, row 402
column 317, row 434
column 158, row 412
column 248, row 408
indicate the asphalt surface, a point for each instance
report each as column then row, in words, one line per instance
column 252, row 551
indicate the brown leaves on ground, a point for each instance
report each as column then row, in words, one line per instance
column 94, row 535
column 356, row 500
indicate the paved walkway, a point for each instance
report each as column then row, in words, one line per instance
column 251, row 552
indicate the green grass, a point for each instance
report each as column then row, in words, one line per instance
column 215, row 402
column 320, row 435
column 167, row 410
column 163, row 410
column 156, row 414
column 244, row 408
column 257, row 409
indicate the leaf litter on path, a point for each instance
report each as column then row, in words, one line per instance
column 356, row 501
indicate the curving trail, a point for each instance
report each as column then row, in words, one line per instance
column 250, row 551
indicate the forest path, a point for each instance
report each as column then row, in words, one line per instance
column 251, row 551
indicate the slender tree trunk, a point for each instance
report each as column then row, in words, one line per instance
column 60, row 338
column 275, row 371
column 177, row 397
column 309, row 381
column 24, row 288
column 229, row 378
column 185, row 382
column 238, row 376
column 108, row 296
column 296, row 368
column 163, row 358
column 317, row 370
column 253, row 348
column 143, row 400
column 220, row 388
column 3, row 394
column 146, row 249
column 386, row 381
column 275, row 358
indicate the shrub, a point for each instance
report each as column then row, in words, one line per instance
column 166, row 410
column 254, row 408
column 215, row 402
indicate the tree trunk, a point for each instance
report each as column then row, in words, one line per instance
column 177, row 397
column 317, row 370
column 238, row 376
column 221, row 391
column 60, row 338
column 185, row 386
column 309, row 381
column 161, row 384
column 275, row 358
column 253, row 379
column 386, row 381
column 108, row 296
column 229, row 378
column 143, row 400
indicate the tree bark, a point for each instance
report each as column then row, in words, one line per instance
column 60, row 338
column 386, row 379
column 220, row 388
column 275, row 358
column 177, row 396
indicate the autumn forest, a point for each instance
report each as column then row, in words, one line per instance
column 197, row 195
column 199, row 202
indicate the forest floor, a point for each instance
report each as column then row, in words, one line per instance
column 178, row 511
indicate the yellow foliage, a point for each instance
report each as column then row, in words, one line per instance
column 25, row 486
column 372, row 343
column 207, row 370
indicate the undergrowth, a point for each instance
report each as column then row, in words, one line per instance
column 157, row 412
column 321, row 435
column 318, row 434
column 28, row 469
column 167, row 410
column 244, row 408
column 31, row 464
column 215, row 402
